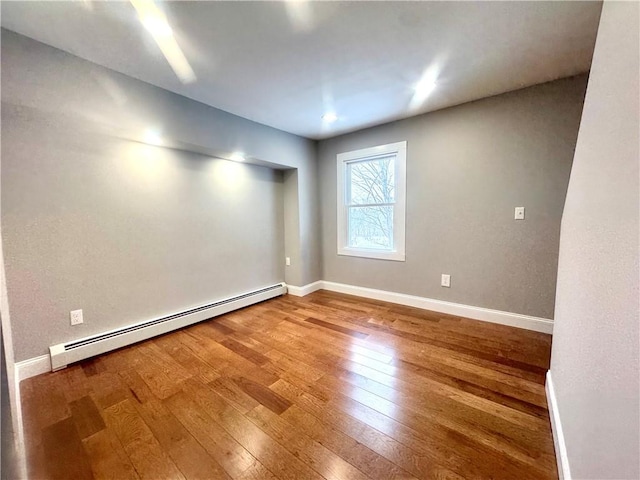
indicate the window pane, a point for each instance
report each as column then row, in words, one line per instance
column 371, row 227
column 371, row 181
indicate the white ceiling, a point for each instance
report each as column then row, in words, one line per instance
column 284, row 64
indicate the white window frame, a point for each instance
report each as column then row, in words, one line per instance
column 397, row 253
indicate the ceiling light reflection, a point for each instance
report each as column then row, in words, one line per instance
column 373, row 354
column 329, row 117
column 145, row 167
column 300, row 15
column 424, row 88
column 230, row 177
column 152, row 137
column 157, row 26
column 156, row 23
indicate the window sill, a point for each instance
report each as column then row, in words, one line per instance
column 374, row 254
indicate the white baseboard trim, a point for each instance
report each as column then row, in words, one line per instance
column 42, row 364
column 304, row 290
column 564, row 472
column 32, row 367
column 19, row 432
column 527, row 322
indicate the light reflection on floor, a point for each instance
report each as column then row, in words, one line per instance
column 372, row 384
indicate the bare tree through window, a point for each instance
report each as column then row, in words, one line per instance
column 371, row 197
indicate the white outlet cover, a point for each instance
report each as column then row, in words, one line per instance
column 76, row 317
column 445, row 280
column 519, row 213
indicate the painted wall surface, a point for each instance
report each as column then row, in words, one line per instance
column 126, row 231
column 467, row 168
column 51, row 80
column 594, row 361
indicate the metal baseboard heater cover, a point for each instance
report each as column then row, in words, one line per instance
column 67, row 353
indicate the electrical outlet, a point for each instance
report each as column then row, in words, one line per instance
column 76, row 317
column 445, row 281
column 287, row 261
column 519, row 213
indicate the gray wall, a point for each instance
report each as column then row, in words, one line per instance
column 467, row 168
column 594, row 361
column 128, row 231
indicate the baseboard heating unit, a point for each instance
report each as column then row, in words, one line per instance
column 67, row 353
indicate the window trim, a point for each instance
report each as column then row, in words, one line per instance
column 399, row 209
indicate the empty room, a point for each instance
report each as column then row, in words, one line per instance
column 320, row 240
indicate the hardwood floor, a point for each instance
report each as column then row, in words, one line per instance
column 327, row 386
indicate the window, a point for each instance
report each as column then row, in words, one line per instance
column 371, row 202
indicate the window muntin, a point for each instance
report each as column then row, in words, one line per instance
column 371, row 197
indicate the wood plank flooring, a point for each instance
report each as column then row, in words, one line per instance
column 327, row 386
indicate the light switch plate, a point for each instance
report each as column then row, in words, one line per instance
column 519, row 213
column 445, row 281
column 287, row 261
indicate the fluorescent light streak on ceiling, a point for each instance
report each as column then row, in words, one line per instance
column 424, row 87
column 155, row 21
